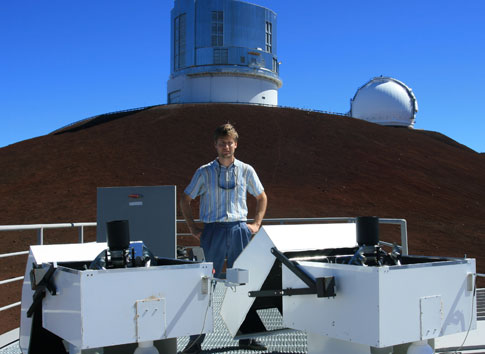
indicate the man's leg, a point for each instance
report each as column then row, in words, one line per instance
column 213, row 242
column 239, row 238
column 214, row 246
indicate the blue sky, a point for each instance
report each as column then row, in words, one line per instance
column 65, row 60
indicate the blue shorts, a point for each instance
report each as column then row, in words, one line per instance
column 224, row 240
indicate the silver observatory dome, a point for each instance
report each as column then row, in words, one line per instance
column 385, row 101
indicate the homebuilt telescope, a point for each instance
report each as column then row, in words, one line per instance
column 83, row 297
column 335, row 282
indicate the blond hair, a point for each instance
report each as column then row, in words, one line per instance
column 226, row 130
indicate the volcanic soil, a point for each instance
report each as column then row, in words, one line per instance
column 311, row 165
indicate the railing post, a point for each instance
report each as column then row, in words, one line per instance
column 40, row 236
column 404, row 237
column 81, row 234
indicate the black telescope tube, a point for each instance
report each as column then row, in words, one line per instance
column 367, row 230
column 118, row 235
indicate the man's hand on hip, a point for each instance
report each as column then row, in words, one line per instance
column 253, row 228
column 196, row 232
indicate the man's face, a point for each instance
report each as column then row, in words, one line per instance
column 225, row 147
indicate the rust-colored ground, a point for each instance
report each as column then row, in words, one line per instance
column 311, row 164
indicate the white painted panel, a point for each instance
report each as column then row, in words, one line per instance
column 431, row 316
column 352, row 316
column 383, row 306
column 401, row 290
column 229, row 89
column 61, row 314
column 97, row 308
column 199, row 89
column 74, row 252
column 181, row 287
column 312, row 236
column 150, row 319
column 318, row 344
column 258, row 259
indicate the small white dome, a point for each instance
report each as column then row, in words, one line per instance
column 386, row 101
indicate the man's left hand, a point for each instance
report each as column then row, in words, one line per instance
column 253, row 228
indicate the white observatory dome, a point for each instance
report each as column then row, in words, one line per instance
column 385, row 101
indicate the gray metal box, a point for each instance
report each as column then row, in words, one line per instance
column 150, row 211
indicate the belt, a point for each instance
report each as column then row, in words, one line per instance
column 225, row 224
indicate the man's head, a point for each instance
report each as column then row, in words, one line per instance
column 225, row 142
column 225, row 131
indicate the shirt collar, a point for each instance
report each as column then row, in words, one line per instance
column 217, row 165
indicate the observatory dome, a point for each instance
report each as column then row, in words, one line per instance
column 385, row 101
column 223, row 51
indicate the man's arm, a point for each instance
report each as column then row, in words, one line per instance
column 187, row 212
column 261, row 203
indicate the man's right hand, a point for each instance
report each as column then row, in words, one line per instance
column 196, row 232
column 187, row 212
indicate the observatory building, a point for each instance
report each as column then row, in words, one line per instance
column 385, row 101
column 223, row 51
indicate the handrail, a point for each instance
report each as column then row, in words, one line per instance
column 45, row 226
column 11, row 280
column 5, row 255
column 401, row 222
column 40, row 239
column 9, row 306
column 86, row 120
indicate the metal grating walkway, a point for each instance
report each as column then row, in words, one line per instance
column 220, row 341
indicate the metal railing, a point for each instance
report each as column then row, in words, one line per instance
column 134, row 110
column 40, row 241
column 401, row 222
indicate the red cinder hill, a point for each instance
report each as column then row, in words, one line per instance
column 311, row 164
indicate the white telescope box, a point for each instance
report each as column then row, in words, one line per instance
column 374, row 306
column 99, row 308
column 385, row 306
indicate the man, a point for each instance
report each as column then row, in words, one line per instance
column 222, row 186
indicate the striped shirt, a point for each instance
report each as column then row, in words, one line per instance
column 223, row 191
